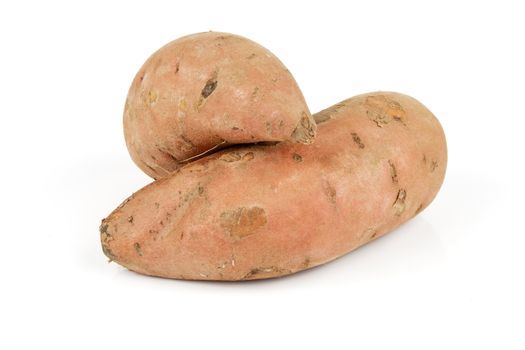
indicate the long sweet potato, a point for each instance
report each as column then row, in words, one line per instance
column 260, row 211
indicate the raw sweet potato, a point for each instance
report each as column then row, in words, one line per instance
column 260, row 211
column 207, row 91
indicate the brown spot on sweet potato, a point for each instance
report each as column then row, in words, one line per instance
column 230, row 157
column 357, row 140
column 433, row 166
column 306, row 263
column 248, row 156
column 393, row 171
column 255, row 92
column 105, row 238
column 130, row 219
column 382, row 109
column 418, row 210
column 242, row 222
column 177, row 67
column 326, row 114
column 367, row 235
column 304, row 132
column 270, row 271
column 103, row 228
column 330, row 192
column 251, row 56
column 210, row 86
column 297, row 158
column 235, row 128
column 151, row 98
column 235, row 156
column 136, row 245
column 399, row 203
column 269, row 127
column 107, row 252
column 157, row 205
column 166, row 154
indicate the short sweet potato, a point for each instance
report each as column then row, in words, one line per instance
column 207, row 91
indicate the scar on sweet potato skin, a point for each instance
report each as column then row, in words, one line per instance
column 399, row 204
column 393, row 171
column 210, row 86
column 242, row 222
column 357, row 140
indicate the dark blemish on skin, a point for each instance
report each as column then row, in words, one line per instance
column 157, row 205
column 304, row 132
column 251, row 56
column 321, row 117
column 200, row 190
column 433, row 166
column 263, row 270
column 326, row 114
column 235, row 128
column 418, row 210
column 104, row 229
column 297, row 158
column 357, row 140
column 187, row 140
column 210, row 86
column 399, row 203
column 330, row 193
column 230, row 157
column 130, row 219
column 393, row 171
column 306, row 263
column 161, row 223
column 153, row 231
column 107, row 252
column 181, row 236
column 177, row 67
column 248, row 156
column 152, row 169
column 255, row 91
column 106, row 238
column 137, row 248
column 374, row 235
column 424, row 159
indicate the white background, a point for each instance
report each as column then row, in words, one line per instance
column 452, row 278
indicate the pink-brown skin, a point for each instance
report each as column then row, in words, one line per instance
column 207, row 91
column 266, row 211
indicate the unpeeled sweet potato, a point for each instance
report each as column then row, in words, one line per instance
column 260, row 211
column 207, row 91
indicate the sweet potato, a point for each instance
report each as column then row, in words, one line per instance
column 206, row 91
column 261, row 211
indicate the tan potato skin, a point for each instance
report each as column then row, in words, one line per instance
column 206, row 91
column 266, row 211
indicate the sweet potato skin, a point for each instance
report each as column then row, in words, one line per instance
column 267, row 211
column 206, row 91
